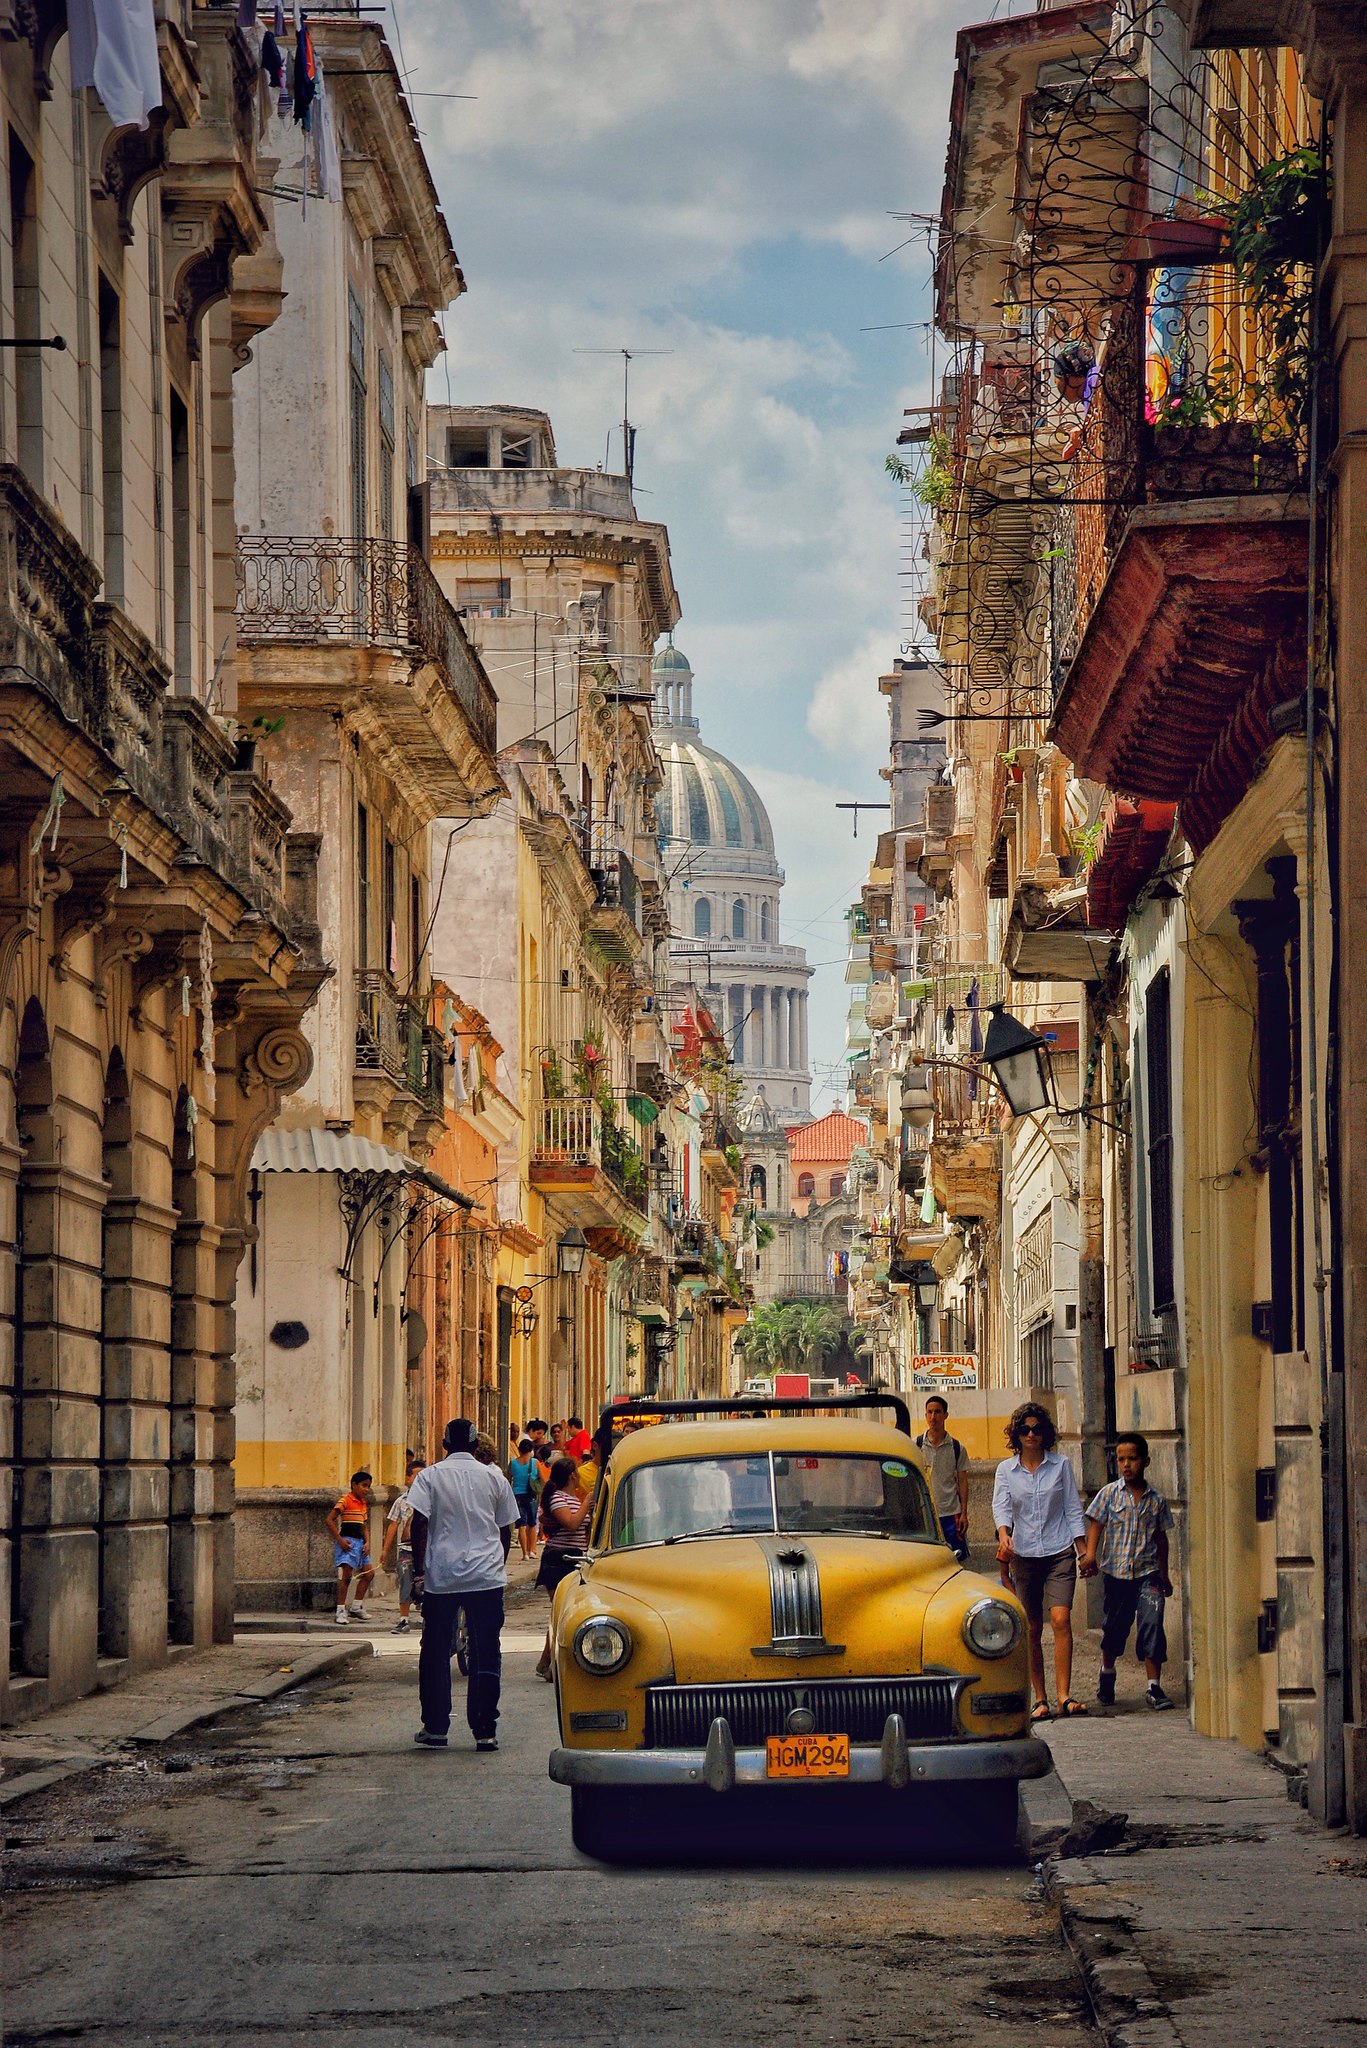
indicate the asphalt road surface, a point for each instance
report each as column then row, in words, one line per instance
column 303, row 1872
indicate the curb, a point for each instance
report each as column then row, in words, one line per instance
column 1126, row 2005
column 1125, row 2001
column 316, row 1664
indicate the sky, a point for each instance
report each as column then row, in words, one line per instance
column 719, row 179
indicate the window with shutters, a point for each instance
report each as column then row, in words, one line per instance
column 356, row 359
column 1158, row 1105
column 362, row 886
column 386, row 395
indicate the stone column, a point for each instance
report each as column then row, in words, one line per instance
column 757, row 1025
column 55, row 1589
column 198, row 1416
column 778, row 1036
column 735, row 1023
column 136, row 1450
column 794, row 1028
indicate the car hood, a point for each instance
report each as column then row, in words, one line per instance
column 725, row 1598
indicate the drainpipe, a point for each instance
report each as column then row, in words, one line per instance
column 1091, row 1282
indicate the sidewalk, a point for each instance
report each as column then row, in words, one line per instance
column 1223, row 1914
column 273, row 1654
column 159, row 1706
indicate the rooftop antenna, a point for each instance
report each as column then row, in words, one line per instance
column 628, row 356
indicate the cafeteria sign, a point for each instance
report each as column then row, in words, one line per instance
column 943, row 1373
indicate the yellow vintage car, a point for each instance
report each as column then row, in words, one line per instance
column 767, row 1600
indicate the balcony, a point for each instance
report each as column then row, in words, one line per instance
column 395, row 1044
column 697, row 1248
column 806, row 1287
column 380, row 598
column 104, row 678
column 612, row 926
column 577, row 1151
column 1179, row 622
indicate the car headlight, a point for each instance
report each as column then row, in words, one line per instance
column 601, row 1646
column 991, row 1628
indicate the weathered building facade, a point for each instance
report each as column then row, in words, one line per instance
column 160, row 945
column 553, row 915
column 1141, row 552
column 360, row 688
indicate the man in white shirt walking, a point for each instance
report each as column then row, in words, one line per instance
column 464, row 1514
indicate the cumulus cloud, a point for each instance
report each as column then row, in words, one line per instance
column 847, row 713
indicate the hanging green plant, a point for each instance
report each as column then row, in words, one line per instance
column 1278, row 230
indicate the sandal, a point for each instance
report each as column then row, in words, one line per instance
column 1071, row 1708
column 1041, row 1711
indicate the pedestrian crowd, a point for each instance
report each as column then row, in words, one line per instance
column 447, row 1538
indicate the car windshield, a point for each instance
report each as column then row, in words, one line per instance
column 773, row 1492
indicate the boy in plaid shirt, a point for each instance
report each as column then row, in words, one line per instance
column 1127, row 1534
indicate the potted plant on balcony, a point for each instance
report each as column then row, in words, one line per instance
column 590, row 1062
column 552, row 1077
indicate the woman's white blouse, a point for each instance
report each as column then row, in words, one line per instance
column 1041, row 1508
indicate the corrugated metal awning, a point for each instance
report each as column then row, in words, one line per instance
column 313, row 1150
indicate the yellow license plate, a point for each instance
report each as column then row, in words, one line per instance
column 807, row 1756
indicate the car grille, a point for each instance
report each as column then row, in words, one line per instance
column 679, row 1716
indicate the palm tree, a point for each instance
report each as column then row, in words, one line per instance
column 818, row 1330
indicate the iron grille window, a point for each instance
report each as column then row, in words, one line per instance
column 1158, row 1074
column 1037, row 1357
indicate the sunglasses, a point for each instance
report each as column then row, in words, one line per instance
column 1031, row 1429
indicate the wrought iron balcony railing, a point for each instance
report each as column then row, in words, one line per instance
column 393, row 1038
column 359, row 592
column 1191, row 401
column 574, row 1131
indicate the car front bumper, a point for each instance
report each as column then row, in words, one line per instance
column 721, row 1766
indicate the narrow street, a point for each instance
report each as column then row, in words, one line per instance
column 302, row 1871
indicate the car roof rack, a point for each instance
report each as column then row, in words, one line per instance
column 746, row 1404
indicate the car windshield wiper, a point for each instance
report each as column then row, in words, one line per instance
column 838, row 1529
column 731, row 1529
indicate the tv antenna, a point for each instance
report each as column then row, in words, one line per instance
column 628, row 356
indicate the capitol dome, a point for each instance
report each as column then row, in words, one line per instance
column 707, row 800
column 724, row 889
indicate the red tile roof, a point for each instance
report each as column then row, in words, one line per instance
column 831, row 1138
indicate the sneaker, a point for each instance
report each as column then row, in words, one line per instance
column 400, row 1627
column 486, row 1742
column 358, row 1612
column 1105, row 1688
column 342, row 1614
column 1156, row 1698
column 426, row 1741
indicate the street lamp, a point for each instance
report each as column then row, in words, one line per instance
column 927, row 1292
column 573, row 1249
column 684, row 1321
column 1019, row 1059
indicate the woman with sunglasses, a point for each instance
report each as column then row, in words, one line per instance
column 1041, row 1538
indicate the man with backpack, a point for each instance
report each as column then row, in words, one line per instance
column 946, row 1463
